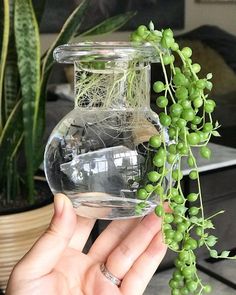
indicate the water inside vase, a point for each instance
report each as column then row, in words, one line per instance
column 93, row 158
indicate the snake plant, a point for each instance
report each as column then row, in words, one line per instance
column 24, row 75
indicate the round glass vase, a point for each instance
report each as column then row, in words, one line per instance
column 98, row 154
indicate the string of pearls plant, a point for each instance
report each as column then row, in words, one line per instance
column 187, row 115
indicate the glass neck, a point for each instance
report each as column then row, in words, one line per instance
column 112, row 85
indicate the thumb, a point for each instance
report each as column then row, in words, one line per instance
column 46, row 252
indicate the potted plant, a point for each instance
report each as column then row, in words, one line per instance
column 24, row 75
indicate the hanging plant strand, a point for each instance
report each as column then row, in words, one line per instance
column 187, row 116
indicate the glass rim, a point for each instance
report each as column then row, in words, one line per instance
column 105, row 51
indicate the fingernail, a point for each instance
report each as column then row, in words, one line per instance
column 59, row 202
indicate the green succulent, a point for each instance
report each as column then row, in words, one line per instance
column 186, row 113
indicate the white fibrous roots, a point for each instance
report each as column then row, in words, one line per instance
column 117, row 95
column 115, row 85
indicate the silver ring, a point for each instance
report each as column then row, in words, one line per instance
column 109, row 275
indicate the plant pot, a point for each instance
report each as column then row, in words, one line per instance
column 18, row 232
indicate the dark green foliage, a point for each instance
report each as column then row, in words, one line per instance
column 24, row 76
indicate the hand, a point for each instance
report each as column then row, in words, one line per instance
column 131, row 249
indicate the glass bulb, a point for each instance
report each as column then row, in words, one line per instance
column 98, row 155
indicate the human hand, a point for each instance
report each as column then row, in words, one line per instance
column 131, row 249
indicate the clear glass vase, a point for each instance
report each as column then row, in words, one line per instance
column 98, row 154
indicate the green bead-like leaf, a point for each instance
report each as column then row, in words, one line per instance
column 209, row 76
column 224, row 254
column 213, row 254
column 211, row 241
column 216, row 133
column 208, row 224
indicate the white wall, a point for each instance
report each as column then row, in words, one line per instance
column 196, row 14
column 222, row 15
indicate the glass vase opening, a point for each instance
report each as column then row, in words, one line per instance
column 98, row 154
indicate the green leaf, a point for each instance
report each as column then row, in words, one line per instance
column 1, row 24
column 209, row 85
column 213, row 253
column 28, row 53
column 4, row 46
column 151, row 26
column 180, row 209
column 211, row 241
column 209, row 76
column 12, row 174
column 194, row 219
column 10, row 136
column 201, row 242
column 11, row 82
column 11, row 76
column 224, row 254
column 208, row 224
column 68, row 30
column 38, row 148
column 110, row 25
column 216, row 133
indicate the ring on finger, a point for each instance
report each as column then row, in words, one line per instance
column 109, row 275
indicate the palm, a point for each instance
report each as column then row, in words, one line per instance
column 77, row 274
column 56, row 264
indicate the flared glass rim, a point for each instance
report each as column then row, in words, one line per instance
column 105, row 51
